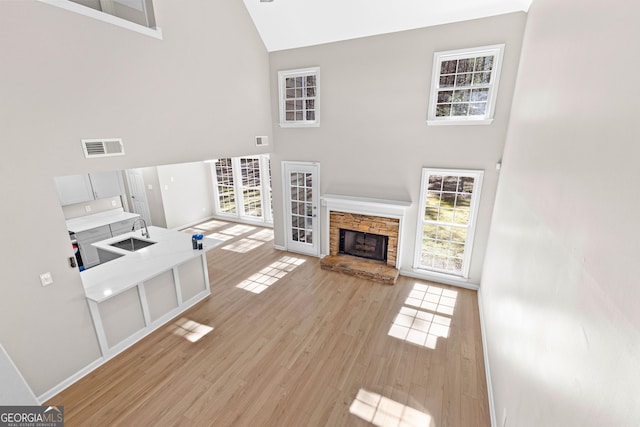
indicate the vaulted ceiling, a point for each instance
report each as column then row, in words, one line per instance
column 286, row 24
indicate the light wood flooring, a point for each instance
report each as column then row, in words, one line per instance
column 295, row 345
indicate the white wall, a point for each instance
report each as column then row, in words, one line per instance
column 201, row 93
column 186, row 193
column 373, row 138
column 560, row 285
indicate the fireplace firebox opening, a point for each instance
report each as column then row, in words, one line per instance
column 363, row 245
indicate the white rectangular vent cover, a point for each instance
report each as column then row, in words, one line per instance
column 102, row 147
column 262, row 141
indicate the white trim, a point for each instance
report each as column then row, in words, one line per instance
column 191, row 224
column 497, row 51
column 155, row 32
column 122, row 346
column 471, row 227
column 456, row 122
column 301, row 72
column 485, row 354
column 71, row 380
column 314, row 168
column 236, row 170
column 224, row 217
column 366, row 206
column 280, row 248
column 446, row 279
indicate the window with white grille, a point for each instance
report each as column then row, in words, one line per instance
column 465, row 84
column 225, row 187
column 242, row 187
column 299, row 97
column 448, row 210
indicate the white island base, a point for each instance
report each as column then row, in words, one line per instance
column 131, row 296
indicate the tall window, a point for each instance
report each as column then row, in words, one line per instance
column 226, row 189
column 243, row 188
column 251, row 184
column 299, row 97
column 449, row 204
column 465, row 84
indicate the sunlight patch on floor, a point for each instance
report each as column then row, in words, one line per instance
column 424, row 317
column 432, row 298
column 243, row 245
column 189, row 329
column 264, row 235
column 269, row 275
column 384, row 412
column 213, row 224
column 220, row 236
column 237, row 230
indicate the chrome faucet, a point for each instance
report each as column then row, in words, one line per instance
column 145, row 233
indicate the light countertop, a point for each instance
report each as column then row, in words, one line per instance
column 87, row 222
column 172, row 248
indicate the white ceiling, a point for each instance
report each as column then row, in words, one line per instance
column 286, row 24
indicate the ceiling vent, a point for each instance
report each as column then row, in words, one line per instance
column 261, row 141
column 102, row 147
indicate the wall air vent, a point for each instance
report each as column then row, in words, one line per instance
column 262, row 141
column 102, row 147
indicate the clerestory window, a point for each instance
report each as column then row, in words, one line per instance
column 299, row 97
column 134, row 15
column 465, row 85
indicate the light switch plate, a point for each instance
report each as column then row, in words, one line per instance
column 46, row 279
column 87, row 208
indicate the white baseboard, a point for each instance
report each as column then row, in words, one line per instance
column 280, row 248
column 122, row 346
column 441, row 278
column 191, row 224
column 69, row 381
column 487, row 370
column 257, row 223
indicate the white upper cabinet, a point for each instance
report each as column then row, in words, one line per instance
column 83, row 188
column 106, row 184
column 74, row 189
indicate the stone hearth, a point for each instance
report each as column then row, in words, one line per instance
column 365, row 268
column 375, row 216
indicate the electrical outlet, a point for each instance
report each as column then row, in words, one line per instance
column 149, row 187
column 166, row 187
column 87, row 208
column 46, row 279
column 114, row 203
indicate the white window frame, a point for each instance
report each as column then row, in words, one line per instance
column 302, row 72
column 473, row 214
column 239, row 215
column 154, row 32
column 498, row 52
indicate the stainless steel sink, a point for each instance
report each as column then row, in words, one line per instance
column 132, row 244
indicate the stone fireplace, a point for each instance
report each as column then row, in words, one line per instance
column 368, row 225
column 370, row 229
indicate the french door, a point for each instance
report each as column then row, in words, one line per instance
column 302, row 215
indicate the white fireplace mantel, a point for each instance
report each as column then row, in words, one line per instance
column 365, row 206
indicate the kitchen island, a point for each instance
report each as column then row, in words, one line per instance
column 136, row 292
